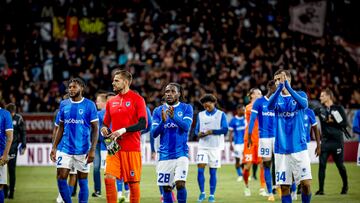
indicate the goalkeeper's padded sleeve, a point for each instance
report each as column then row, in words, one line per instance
column 138, row 126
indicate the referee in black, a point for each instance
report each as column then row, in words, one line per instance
column 19, row 143
column 333, row 123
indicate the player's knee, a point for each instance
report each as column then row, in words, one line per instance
column 285, row 189
column 305, row 186
column 62, row 173
column 180, row 185
column 167, row 188
column 267, row 164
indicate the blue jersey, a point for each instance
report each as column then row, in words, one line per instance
column 265, row 116
column 356, row 123
column 56, row 123
column 101, row 114
column 310, row 121
column 77, row 118
column 173, row 132
column 290, row 134
column 149, row 123
column 5, row 125
column 237, row 125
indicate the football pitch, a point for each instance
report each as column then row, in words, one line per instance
column 38, row 184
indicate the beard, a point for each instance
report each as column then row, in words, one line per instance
column 77, row 94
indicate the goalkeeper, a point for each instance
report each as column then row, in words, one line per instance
column 126, row 113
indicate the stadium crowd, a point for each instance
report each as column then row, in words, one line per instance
column 218, row 47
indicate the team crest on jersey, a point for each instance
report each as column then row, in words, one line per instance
column 81, row 111
column 180, row 114
column 132, row 173
column 127, row 104
column 293, row 102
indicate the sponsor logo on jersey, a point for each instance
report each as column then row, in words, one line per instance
column 287, row 114
column 115, row 104
column 268, row 113
column 73, row 121
column 170, row 125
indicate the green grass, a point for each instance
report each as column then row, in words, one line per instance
column 38, row 184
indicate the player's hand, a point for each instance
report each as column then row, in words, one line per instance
column 3, row 159
column 111, row 146
column 318, row 150
column 104, row 131
column 117, row 134
column 163, row 115
column 22, row 151
column 153, row 156
column 53, row 154
column 202, row 134
column 90, row 156
column 170, row 112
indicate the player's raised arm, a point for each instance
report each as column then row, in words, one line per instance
column 274, row 97
column 158, row 123
column 185, row 121
column 301, row 99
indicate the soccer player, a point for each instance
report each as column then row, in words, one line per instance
column 73, row 172
column 6, row 138
column 100, row 104
column 236, row 134
column 172, row 122
column 79, row 128
column 291, row 156
column 126, row 115
column 356, row 129
column 266, row 121
column 211, row 126
column 251, row 145
column 18, row 144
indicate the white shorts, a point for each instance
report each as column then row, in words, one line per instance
column 212, row 157
column 266, row 147
column 287, row 165
column 78, row 162
column 358, row 156
column 3, row 174
column 143, row 144
column 239, row 151
column 103, row 154
column 170, row 171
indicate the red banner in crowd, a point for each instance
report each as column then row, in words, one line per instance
column 39, row 124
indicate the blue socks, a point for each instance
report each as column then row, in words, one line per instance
column 212, row 181
column 84, row 190
column 167, row 197
column 119, row 184
column 286, row 198
column 293, row 187
column 201, row 179
column 305, row 198
column 267, row 175
column 126, row 186
column 2, row 196
column 238, row 171
column 64, row 190
column 181, row 195
column 71, row 189
column 161, row 189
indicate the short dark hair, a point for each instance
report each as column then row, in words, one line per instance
column 240, row 106
column 11, row 107
column 109, row 94
column 77, row 81
column 252, row 90
column 287, row 72
column 208, row 98
column 270, row 84
column 126, row 74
